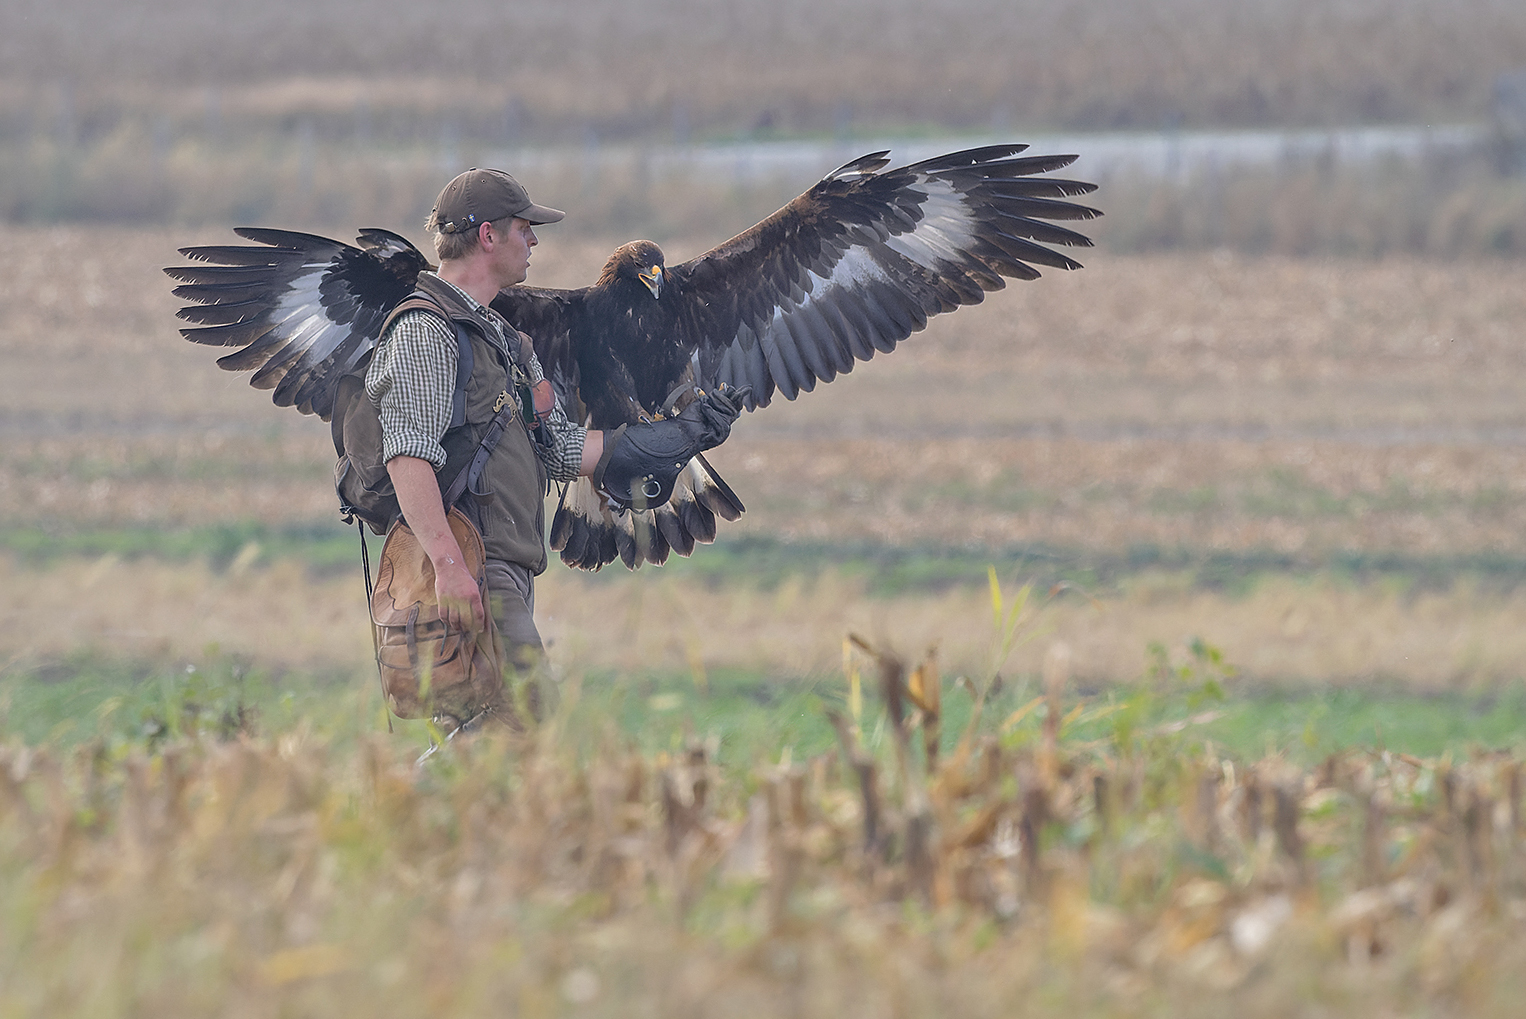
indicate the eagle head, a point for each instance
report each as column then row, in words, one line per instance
column 638, row 260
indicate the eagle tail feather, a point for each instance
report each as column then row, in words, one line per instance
column 712, row 488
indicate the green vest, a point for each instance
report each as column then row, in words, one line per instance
column 510, row 495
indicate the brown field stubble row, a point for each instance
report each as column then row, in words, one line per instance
column 1198, row 403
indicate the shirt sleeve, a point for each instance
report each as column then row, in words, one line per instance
column 411, row 381
column 561, row 450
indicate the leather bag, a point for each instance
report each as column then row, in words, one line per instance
column 427, row 668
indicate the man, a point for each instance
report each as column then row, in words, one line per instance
column 484, row 229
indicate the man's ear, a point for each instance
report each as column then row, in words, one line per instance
column 482, row 233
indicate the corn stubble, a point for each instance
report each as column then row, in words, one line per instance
column 1022, row 870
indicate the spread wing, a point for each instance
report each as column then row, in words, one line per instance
column 863, row 259
column 850, row 268
column 303, row 310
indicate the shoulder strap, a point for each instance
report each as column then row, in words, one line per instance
column 519, row 345
column 416, row 301
column 465, row 359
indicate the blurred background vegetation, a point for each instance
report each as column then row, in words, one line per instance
column 336, row 113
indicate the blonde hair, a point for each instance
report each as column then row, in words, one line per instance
column 450, row 246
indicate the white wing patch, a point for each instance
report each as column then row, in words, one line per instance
column 303, row 294
column 946, row 230
column 791, row 366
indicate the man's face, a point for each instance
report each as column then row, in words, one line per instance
column 511, row 251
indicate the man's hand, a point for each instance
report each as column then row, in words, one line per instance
column 641, row 466
column 418, row 495
column 456, row 591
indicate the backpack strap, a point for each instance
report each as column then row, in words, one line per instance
column 465, row 359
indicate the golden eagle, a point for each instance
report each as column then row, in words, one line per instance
column 853, row 266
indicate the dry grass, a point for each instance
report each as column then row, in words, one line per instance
column 1285, row 632
column 1130, row 874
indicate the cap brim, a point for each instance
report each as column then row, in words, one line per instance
column 538, row 215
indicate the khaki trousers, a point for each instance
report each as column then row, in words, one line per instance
column 511, row 597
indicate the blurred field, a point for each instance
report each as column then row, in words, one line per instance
column 547, row 70
column 1315, row 464
column 1085, row 856
column 282, row 112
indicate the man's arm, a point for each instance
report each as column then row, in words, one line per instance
column 593, row 451
column 418, row 496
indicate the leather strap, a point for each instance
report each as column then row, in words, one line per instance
column 611, row 440
column 473, row 469
column 413, row 641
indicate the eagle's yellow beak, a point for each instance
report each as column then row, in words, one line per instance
column 653, row 280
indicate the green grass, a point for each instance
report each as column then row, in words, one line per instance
column 751, row 717
column 323, row 548
column 883, row 570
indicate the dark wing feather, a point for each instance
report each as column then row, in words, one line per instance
column 303, row 309
column 864, row 258
column 553, row 319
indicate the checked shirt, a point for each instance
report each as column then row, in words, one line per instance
column 413, row 376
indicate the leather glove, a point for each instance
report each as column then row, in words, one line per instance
column 641, row 462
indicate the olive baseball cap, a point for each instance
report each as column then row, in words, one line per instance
column 485, row 196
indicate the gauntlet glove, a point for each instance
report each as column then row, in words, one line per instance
column 641, row 462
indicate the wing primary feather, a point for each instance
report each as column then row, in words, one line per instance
column 1027, row 165
column 1027, row 251
column 221, row 275
column 236, row 335
column 293, row 239
column 243, row 255
column 1004, row 263
column 223, row 293
column 1047, row 233
column 223, row 314
column 1041, row 187
column 985, row 155
column 1041, row 208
